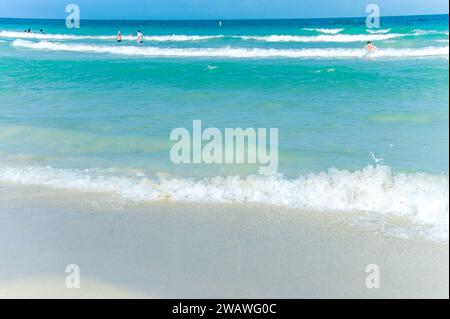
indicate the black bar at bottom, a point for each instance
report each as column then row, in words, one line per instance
column 230, row 308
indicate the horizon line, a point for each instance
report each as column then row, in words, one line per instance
column 230, row 19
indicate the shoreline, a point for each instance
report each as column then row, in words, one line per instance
column 187, row 250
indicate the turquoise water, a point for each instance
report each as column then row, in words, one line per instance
column 77, row 105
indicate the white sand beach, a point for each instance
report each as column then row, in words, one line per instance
column 181, row 250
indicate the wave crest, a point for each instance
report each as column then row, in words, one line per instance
column 156, row 38
column 422, row 198
column 329, row 35
column 228, row 52
column 325, row 38
column 324, row 30
column 378, row 31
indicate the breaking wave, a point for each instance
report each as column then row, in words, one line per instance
column 157, row 38
column 378, row 31
column 228, row 52
column 425, row 32
column 325, row 38
column 419, row 197
column 324, row 30
column 329, row 35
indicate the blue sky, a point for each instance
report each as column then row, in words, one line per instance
column 215, row 9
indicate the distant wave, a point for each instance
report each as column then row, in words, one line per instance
column 331, row 36
column 378, row 31
column 228, row 52
column 158, row 38
column 422, row 198
column 178, row 38
column 424, row 32
column 324, row 30
column 181, row 38
column 325, row 38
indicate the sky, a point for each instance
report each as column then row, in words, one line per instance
column 216, row 9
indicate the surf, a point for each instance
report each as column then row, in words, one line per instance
column 325, row 38
column 155, row 38
column 378, row 31
column 421, row 198
column 329, row 36
column 325, row 30
column 229, row 52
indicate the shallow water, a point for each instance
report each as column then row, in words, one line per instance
column 79, row 109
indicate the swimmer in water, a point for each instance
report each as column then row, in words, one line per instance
column 119, row 37
column 140, row 37
column 370, row 47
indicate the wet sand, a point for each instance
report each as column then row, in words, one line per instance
column 184, row 250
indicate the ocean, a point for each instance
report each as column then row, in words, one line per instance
column 357, row 132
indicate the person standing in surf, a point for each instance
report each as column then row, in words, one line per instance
column 370, row 47
column 140, row 37
column 119, row 37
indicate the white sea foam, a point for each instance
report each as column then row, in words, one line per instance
column 156, row 38
column 325, row 38
column 378, row 31
column 25, row 35
column 324, row 30
column 421, row 198
column 228, row 52
column 330, row 35
column 425, row 32
column 180, row 38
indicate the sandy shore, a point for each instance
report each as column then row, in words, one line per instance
column 178, row 250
